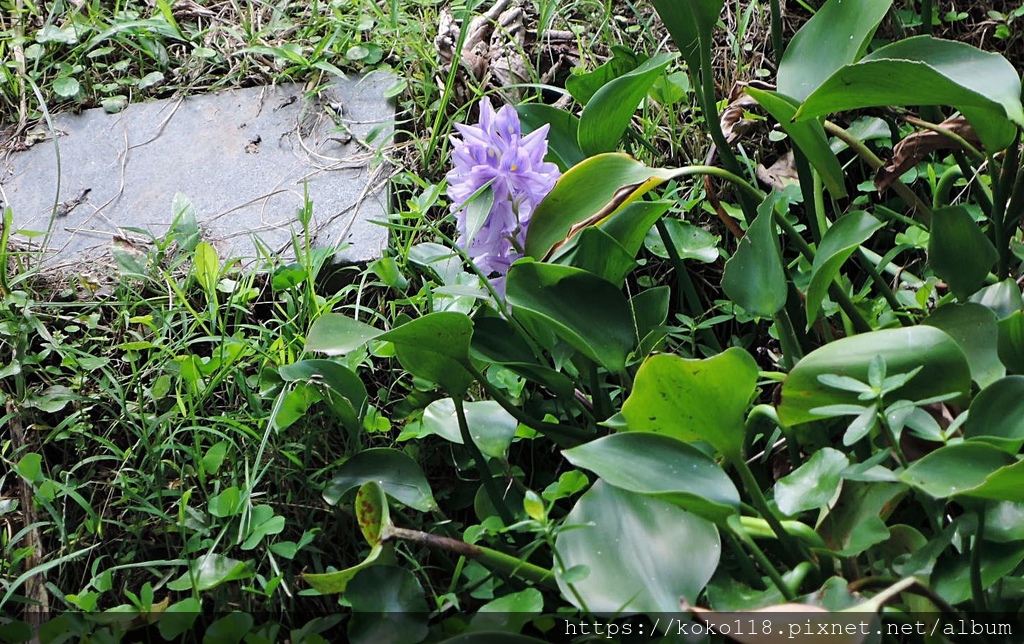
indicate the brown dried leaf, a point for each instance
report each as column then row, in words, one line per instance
column 911, row 150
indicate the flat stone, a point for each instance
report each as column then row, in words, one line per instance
column 245, row 159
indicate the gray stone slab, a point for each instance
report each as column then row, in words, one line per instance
column 244, row 158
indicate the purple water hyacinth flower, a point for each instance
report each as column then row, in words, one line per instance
column 495, row 162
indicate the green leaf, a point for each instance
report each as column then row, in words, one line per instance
column 838, row 244
column 583, row 86
column 754, row 277
column 1003, row 298
column 856, row 521
column 997, row 415
column 345, row 390
column 567, row 301
column 337, row 581
column 951, row 576
column 690, row 242
column 1011, row 342
column 226, row 504
column 206, row 267
column 694, row 400
column 178, row 618
column 66, row 86
column 627, row 542
column 959, row 252
column 609, row 111
column 960, row 469
column 435, row 347
column 262, row 524
column 396, row 472
column 660, row 467
column 597, row 252
column 587, row 189
column 691, row 23
column 630, row 225
column 974, row 328
column 372, row 512
column 945, row 369
column 812, row 485
column 509, row 613
column 387, row 606
column 210, row 571
column 809, row 137
column 563, row 143
column 496, row 341
column 836, row 35
column 230, row 628
column 929, row 71
column 491, row 427
column 337, row 334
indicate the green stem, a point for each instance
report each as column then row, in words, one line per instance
column 789, row 544
column 944, row 185
column 753, row 579
column 926, row 17
column 819, row 206
column 493, row 558
column 882, row 285
column 763, row 561
column 688, row 294
column 767, row 412
column 777, row 49
column 835, row 292
column 982, row 194
column 791, row 351
column 921, row 210
column 709, row 107
column 602, row 403
column 486, row 478
column 977, row 589
column 1015, row 205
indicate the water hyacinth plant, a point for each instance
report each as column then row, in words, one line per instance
column 499, row 177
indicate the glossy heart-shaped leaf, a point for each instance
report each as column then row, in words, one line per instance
column 597, row 187
column 754, row 277
column 928, row 71
column 622, row 555
column 661, row 467
column 959, row 252
column 599, row 253
column 435, row 347
column 962, row 469
column 396, row 472
column 567, row 301
column 337, row 334
column 388, row 605
column 609, row 111
column 813, row 484
column 997, row 415
column 944, row 369
column 491, row 427
column 836, row 35
column 974, row 328
column 694, row 400
column 837, row 245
